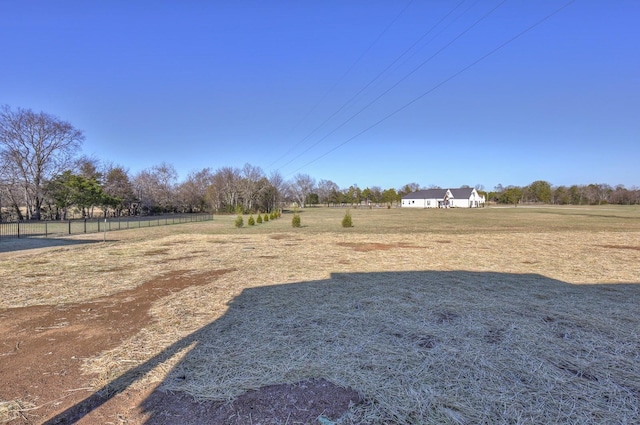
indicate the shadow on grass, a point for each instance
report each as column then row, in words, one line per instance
column 419, row 347
column 22, row 244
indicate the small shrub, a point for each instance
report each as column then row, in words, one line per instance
column 259, row 218
column 347, row 221
column 272, row 216
column 266, row 218
column 239, row 221
column 295, row 221
column 251, row 221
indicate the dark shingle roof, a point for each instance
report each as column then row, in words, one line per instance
column 426, row 194
column 462, row 193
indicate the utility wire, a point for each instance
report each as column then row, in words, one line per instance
column 362, row 55
column 441, row 83
column 413, row 71
column 438, row 34
column 344, row 105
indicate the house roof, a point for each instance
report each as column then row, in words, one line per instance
column 462, row 193
column 426, row 194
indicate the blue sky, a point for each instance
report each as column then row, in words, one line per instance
column 374, row 93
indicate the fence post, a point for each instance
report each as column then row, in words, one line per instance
column 18, row 230
column 85, row 225
column 69, row 226
column 46, row 230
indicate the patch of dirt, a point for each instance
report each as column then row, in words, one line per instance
column 634, row 248
column 158, row 251
column 446, row 317
column 284, row 237
column 42, row 347
column 169, row 260
column 299, row 403
column 367, row 247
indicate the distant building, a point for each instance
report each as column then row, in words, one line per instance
column 444, row 198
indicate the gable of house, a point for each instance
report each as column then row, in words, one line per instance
column 462, row 193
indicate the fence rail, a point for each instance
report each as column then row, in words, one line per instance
column 44, row 229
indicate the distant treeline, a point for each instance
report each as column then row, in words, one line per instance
column 43, row 176
column 542, row 191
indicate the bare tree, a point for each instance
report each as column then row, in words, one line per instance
column 10, row 190
column 250, row 185
column 38, row 146
column 279, row 186
column 155, row 188
column 118, row 186
column 192, row 193
column 301, row 186
column 89, row 167
column 223, row 194
column 408, row 188
column 326, row 189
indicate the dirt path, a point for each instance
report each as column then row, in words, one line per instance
column 43, row 347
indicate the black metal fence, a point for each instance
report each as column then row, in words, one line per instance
column 44, row 229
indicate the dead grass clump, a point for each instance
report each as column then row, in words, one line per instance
column 12, row 410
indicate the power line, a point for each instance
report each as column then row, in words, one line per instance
column 344, row 105
column 413, row 71
column 362, row 55
column 441, row 83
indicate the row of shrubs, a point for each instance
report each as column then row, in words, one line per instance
column 296, row 221
column 260, row 219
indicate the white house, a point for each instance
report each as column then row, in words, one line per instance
column 444, row 198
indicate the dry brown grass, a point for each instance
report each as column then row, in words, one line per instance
column 485, row 316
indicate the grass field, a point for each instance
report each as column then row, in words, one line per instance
column 495, row 315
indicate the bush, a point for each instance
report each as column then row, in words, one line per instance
column 272, row 216
column 239, row 221
column 346, row 220
column 295, row 221
column 266, row 217
column 251, row 221
column 259, row 218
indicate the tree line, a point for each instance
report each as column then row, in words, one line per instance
column 541, row 191
column 43, row 176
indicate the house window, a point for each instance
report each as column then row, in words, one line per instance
column 428, row 203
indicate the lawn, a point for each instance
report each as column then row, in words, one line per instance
column 494, row 315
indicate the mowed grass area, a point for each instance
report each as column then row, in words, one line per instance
column 495, row 315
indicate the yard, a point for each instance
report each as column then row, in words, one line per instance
column 494, row 315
